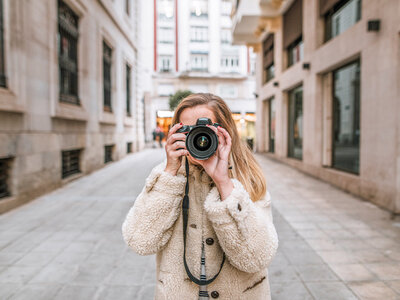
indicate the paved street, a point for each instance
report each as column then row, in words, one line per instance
column 68, row 244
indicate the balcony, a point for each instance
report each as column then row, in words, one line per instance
column 250, row 17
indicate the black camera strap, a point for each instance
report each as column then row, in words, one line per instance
column 185, row 212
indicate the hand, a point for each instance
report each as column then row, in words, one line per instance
column 174, row 142
column 217, row 165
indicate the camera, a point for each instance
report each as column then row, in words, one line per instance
column 201, row 141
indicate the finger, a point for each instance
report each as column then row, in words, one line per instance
column 179, row 153
column 228, row 138
column 177, row 145
column 176, row 137
column 174, row 129
column 220, row 136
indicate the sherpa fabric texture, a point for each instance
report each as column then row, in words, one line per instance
column 243, row 229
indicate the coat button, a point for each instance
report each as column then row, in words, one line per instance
column 214, row 294
column 210, row 241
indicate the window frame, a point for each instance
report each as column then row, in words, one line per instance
column 66, row 169
column 329, row 14
column 128, row 79
column 290, row 142
column 66, row 64
column 356, row 61
column 107, row 59
column 3, row 74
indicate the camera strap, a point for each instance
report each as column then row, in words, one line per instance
column 185, row 212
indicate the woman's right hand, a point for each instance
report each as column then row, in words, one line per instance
column 174, row 142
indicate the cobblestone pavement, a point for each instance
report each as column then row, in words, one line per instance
column 68, row 244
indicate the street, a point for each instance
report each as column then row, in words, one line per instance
column 68, row 243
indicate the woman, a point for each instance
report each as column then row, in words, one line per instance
column 229, row 216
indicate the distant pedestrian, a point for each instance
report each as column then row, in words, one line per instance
column 230, row 214
column 154, row 138
column 160, row 134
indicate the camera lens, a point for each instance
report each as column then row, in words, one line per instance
column 202, row 142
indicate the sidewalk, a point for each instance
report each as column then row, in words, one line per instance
column 332, row 245
column 68, row 244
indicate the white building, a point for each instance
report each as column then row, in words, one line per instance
column 192, row 50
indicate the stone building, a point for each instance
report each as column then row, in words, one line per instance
column 328, row 74
column 192, row 48
column 70, row 98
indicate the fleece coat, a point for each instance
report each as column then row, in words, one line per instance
column 243, row 229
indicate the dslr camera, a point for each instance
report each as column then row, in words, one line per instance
column 201, row 141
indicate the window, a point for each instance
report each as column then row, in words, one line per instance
column 128, row 90
column 107, row 60
column 70, row 162
column 165, row 89
column 199, row 88
column 128, row 7
column 293, row 32
column 230, row 63
column 129, row 147
column 226, row 36
column 199, row 62
column 5, row 166
column 341, row 16
column 166, row 35
column 296, row 123
column 295, row 52
column 199, row 9
column 3, row 79
column 108, row 153
column 226, row 8
column 165, row 9
column 228, row 91
column 199, row 34
column 165, row 63
column 268, row 58
column 346, row 118
column 67, row 54
column 271, row 125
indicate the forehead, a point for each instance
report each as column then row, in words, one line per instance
column 190, row 115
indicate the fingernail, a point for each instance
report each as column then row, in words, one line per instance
column 180, row 123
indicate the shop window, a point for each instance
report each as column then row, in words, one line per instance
column 271, row 125
column 295, row 144
column 346, row 118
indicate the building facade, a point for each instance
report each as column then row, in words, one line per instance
column 71, row 99
column 193, row 51
column 328, row 74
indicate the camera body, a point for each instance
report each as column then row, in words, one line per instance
column 201, row 141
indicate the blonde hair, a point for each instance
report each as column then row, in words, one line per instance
column 244, row 166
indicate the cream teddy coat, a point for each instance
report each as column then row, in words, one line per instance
column 243, row 229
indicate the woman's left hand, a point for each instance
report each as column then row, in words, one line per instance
column 217, row 165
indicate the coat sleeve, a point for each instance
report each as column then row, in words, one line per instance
column 244, row 228
column 149, row 223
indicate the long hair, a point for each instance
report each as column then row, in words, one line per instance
column 244, row 166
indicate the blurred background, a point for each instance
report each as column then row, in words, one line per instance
column 312, row 84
